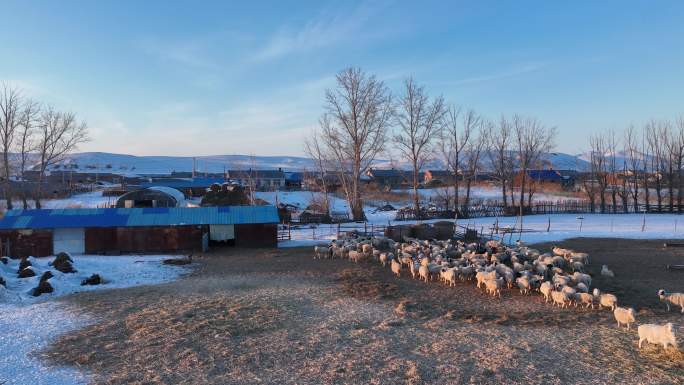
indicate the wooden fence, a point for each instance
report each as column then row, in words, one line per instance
column 497, row 209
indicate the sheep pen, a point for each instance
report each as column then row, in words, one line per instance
column 282, row 317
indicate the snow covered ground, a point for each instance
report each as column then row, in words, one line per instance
column 485, row 192
column 537, row 228
column 28, row 324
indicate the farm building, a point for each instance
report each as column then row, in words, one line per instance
column 136, row 230
column 194, row 187
column 157, row 196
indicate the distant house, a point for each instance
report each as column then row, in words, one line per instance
column 258, row 179
column 563, row 178
column 388, row 178
column 439, row 176
column 294, row 180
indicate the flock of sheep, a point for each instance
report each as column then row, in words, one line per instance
column 559, row 276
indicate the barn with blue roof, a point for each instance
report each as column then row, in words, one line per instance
column 136, row 230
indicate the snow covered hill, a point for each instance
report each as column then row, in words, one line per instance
column 132, row 164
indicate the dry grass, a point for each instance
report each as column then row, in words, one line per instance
column 280, row 317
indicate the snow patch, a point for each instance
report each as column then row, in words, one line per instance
column 28, row 324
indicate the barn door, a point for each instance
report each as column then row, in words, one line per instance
column 71, row 241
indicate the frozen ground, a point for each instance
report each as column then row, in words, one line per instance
column 28, row 324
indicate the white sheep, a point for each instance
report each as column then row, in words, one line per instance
column 355, row 256
column 386, row 257
column 482, row 276
column 624, row 316
column 560, row 298
column 396, row 267
column 672, row 298
column 606, row 272
column 605, row 300
column 493, row 286
column 424, row 273
column 657, row 334
column 449, row 276
column 546, row 288
column 322, row 252
column 584, row 299
column 524, row 285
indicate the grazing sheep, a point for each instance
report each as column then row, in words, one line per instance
column 482, row 276
column 355, row 255
column 559, row 298
column 582, row 288
column 396, row 267
column 605, row 300
column 606, row 272
column 385, row 257
column 493, row 286
column 413, row 269
column 524, row 285
column 424, row 273
column 624, row 316
column 366, row 248
column 322, row 252
column 546, row 288
column 449, row 276
column 672, row 298
column 585, row 299
column 582, row 278
column 657, row 334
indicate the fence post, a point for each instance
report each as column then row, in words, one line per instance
column 313, row 232
column 365, row 228
column 548, row 227
column 643, row 224
column 338, row 230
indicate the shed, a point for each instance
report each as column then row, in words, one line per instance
column 136, row 230
column 155, row 196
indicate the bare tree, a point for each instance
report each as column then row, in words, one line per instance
column 10, row 114
column 58, row 133
column 354, row 129
column 679, row 160
column 656, row 135
column 500, row 156
column 532, row 139
column 473, row 153
column 599, row 169
column 312, row 146
column 612, row 168
column 26, row 143
column 671, row 147
column 454, row 139
column 633, row 164
column 418, row 120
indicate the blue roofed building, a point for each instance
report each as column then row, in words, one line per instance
column 136, row 230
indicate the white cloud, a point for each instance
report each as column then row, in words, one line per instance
column 325, row 30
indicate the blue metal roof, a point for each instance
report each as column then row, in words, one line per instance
column 544, row 175
column 162, row 216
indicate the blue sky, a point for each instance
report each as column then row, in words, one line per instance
column 202, row 78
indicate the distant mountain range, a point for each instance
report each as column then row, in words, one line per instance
column 133, row 164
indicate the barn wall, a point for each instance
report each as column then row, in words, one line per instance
column 159, row 239
column 256, row 235
column 100, row 240
column 24, row 243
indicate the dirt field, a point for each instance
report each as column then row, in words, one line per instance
column 280, row 317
